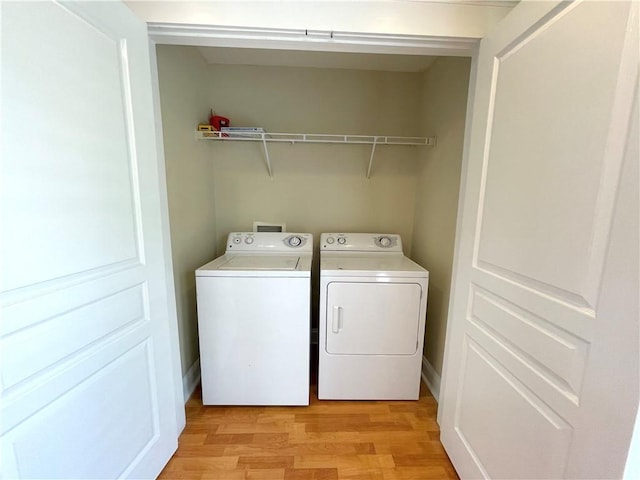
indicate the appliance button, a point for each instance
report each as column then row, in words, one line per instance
column 295, row 241
column 237, row 239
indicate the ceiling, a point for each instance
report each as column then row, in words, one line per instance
column 314, row 59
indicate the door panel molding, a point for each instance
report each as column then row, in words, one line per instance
column 555, row 354
column 130, row 403
column 24, row 311
column 565, row 297
column 134, row 174
column 36, row 349
column 575, row 319
column 480, row 405
column 27, row 399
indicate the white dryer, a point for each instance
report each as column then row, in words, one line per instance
column 373, row 303
column 253, row 320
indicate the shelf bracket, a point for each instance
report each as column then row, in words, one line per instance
column 266, row 155
column 373, row 151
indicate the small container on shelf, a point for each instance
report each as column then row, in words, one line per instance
column 218, row 122
column 248, row 132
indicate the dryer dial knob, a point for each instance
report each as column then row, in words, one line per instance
column 295, row 241
column 342, row 240
column 330, row 240
column 248, row 240
column 385, row 242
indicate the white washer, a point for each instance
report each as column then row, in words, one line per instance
column 253, row 320
column 373, row 303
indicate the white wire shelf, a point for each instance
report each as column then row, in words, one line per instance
column 316, row 138
column 293, row 138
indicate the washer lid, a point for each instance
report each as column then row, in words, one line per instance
column 257, row 265
column 260, row 262
column 377, row 264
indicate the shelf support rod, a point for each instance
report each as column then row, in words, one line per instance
column 373, row 151
column 266, row 155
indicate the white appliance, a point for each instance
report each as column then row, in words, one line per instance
column 373, row 303
column 253, row 319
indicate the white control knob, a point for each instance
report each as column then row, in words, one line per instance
column 330, row 240
column 295, row 241
column 342, row 240
column 385, row 242
column 237, row 239
column 248, row 240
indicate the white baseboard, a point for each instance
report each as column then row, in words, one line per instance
column 431, row 378
column 190, row 380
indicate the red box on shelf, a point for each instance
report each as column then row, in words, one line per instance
column 217, row 122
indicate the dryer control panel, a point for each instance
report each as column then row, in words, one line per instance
column 361, row 242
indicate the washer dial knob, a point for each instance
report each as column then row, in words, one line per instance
column 330, row 240
column 294, row 241
column 342, row 240
column 385, row 242
column 248, row 240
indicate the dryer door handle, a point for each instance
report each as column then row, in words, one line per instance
column 336, row 323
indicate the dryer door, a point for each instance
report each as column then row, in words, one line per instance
column 372, row 318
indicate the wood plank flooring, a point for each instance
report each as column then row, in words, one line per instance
column 328, row 440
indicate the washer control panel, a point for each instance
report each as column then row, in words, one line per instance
column 386, row 241
column 295, row 241
column 361, row 242
column 267, row 242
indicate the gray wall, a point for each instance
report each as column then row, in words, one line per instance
column 443, row 109
column 315, row 188
column 189, row 166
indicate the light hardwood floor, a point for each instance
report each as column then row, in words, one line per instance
column 328, row 440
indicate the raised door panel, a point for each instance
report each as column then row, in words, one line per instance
column 372, row 318
column 546, row 200
column 502, row 447
column 68, row 184
column 118, row 415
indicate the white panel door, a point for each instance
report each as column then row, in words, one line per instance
column 87, row 386
column 372, row 318
column 541, row 364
